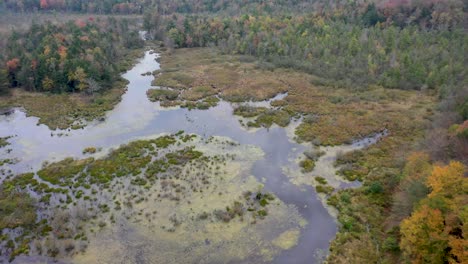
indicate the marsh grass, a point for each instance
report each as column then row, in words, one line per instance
column 226, row 75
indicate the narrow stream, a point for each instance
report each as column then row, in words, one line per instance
column 136, row 117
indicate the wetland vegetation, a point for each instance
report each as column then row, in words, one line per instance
column 139, row 182
column 249, row 131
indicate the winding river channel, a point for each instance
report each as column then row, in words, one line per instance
column 135, row 117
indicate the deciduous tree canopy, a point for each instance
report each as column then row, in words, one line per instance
column 68, row 57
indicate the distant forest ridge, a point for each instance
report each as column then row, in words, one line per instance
column 440, row 11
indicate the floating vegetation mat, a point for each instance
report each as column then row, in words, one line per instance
column 171, row 199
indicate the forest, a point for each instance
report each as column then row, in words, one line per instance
column 74, row 57
column 347, row 69
column 343, row 54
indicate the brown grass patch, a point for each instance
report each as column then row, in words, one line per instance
column 342, row 115
column 64, row 110
column 225, row 74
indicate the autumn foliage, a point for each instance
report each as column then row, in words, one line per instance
column 68, row 57
column 436, row 231
column 424, row 240
column 44, row 4
column 12, row 65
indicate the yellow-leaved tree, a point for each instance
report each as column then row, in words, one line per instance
column 436, row 231
column 47, row 84
column 423, row 238
column 79, row 78
column 447, row 181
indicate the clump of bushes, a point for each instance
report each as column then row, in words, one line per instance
column 270, row 117
column 162, row 95
column 17, row 209
column 183, row 156
column 206, row 103
column 62, row 172
column 89, row 150
column 307, row 165
column 255, row 204
column 324, row 189
column 237, row 209
column 349, row 157
column 164, row 141
column 249, row 111
column 321, row 180
column 314, row 154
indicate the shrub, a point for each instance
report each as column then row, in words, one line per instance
column 307, row 165
column 162, row 95
column 89, row 150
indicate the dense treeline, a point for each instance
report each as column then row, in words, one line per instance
column 400, row 12
column 75, row 56
column 343, row 54
column 137, row 6
column 82, row 6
